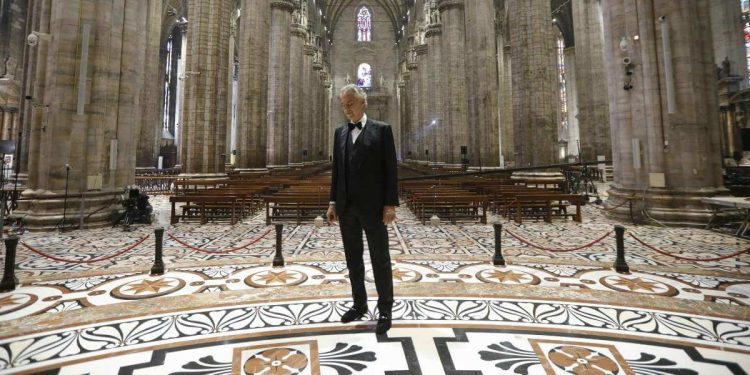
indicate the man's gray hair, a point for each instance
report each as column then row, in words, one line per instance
column 358, row 92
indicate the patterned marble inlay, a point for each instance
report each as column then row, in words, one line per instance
column 447, row 334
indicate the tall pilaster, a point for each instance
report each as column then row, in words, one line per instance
column 311, row 88
column 207, row 87
column 591, row 81
column 415, row 122
column 278, row 83
column 405, row 95
column 296, row 107
column 422, row 104
column 535, row 88
column 505, row 102
column 665, row 136
column 436, row 134
column 102, row 44
column 253, row 86
column 326, row 138
column 453, row 52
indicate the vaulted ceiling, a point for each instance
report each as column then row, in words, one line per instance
column 333, row 10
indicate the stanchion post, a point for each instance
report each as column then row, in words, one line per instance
column 621, row 266
column 158, row 267
column 278, row 259
column 498, row 259
column 10, row 280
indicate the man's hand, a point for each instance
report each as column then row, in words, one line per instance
column 331, row 214
column 389, row 214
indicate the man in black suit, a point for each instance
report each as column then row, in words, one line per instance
column 364, row 195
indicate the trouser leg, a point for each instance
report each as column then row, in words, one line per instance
column 351, row 234
column 377, row 242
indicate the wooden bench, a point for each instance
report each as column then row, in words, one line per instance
column 207, row 207
column 546, row 206
column 452, row 206
column 297, row 207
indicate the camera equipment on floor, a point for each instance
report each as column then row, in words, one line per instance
column 137, row 209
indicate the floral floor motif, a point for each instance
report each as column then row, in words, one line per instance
column 455, row 312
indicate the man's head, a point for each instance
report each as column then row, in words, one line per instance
column 353, row 102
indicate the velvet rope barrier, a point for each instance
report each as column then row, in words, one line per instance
column 600, row 239
column 189, row 246
column 686, row 258
column 612, row 208
column 74, row 261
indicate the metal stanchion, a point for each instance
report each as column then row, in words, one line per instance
column 498, row 259
column 620, row 265
column 158, row 267
column 9, row 277
column 278, row 259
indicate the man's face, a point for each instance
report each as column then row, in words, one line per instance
column 352, row 106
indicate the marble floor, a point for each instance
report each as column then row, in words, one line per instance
column 222, row 309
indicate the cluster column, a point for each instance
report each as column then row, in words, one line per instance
column 207, row 87
column 278, row 83
column 252, row 116
column 665, row 133
column 435, row 134
column 454, row 84
column 296, row 106
column 535, row 101
column 591, row 81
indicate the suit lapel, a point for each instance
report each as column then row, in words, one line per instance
column 342, row 142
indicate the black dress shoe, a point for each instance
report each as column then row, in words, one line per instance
column 384, row 324
column 353, row 314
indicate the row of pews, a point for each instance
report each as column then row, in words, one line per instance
column 295, row 195
column 470, row 198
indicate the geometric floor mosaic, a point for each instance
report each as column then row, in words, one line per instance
column 222, row 309
column 431, row 335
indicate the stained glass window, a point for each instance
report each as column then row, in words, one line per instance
column 364, row 76
column 562, row 80
column 746, row 27
column 364, row 25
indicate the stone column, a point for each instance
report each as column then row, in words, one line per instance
column 591, row 81
column 422, row 104
column 207, row 88
column 36, row 109
column 152, row 91
column 436, row 127
column 481, row 70
column 535, row 88
column 99, row 122
column 278, row 83
column 296, row 108
column 728, row 37
column 665, row 134
column 453, row 53
column 311, row 89
column 252, row 116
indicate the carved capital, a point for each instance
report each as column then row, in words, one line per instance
column 308, row 50
column 444, row 5
column 421, row 49
column 434, row 29
column 298, row 30
column 287, row 5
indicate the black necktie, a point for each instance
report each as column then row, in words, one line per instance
column 357, row 125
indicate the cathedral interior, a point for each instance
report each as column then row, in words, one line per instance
column 574, row 185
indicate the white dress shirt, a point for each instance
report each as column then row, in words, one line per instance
column 356, row 131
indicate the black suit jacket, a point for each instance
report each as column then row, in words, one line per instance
column 374, row 179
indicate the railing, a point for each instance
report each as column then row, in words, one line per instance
column 157, row 181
